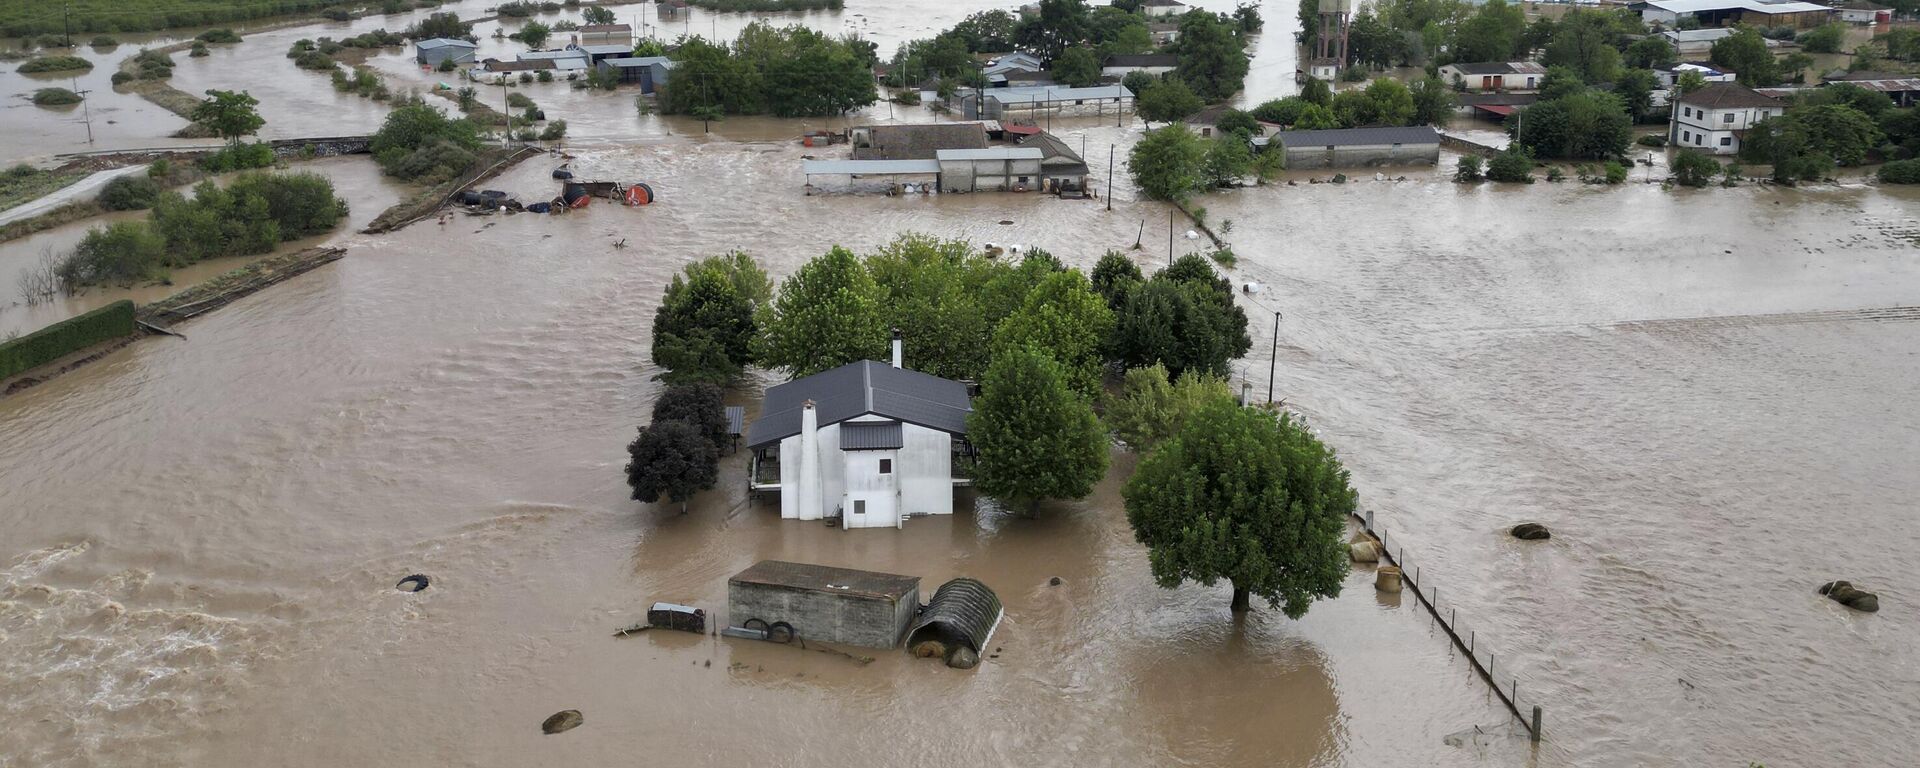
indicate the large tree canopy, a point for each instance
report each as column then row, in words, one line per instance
column 1248, row 497
column 1037, row 438
column 827, row 314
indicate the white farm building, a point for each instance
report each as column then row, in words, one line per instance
column 869, row 443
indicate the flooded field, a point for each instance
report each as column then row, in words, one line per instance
column 355, row 179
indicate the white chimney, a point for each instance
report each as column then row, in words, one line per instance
column 896, row 348
column 809, row 487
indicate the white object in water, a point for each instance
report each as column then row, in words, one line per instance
column 1013, row 249
column 1252, row 287
column 1192, row 235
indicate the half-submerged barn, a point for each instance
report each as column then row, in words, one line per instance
column 868, row 443
column 819, row 602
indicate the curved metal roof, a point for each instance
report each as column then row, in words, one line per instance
column 963, row 611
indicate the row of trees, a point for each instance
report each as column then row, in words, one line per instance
column 251, row 215
column 1173, row 163
column 1384, row 102
column 1836, row 125
column 787, row 71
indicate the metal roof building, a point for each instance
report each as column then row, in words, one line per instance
column 1357, row 147
column 857, row 389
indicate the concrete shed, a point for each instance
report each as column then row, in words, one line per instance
column 991, row 169
column 824, row 603
column 1358, row 147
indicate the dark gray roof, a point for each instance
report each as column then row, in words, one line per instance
column 1495, row 99
column 825, row 578
column 921, row 140
column 871, row 436
column 1142, row 60
column 860, row 388
column 962, row 612
column 736, row 420
column 1729, row 96
column 1348, row 137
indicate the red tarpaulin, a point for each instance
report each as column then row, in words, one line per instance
column 1498, row 109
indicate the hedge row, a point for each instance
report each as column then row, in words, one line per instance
column 66, row 337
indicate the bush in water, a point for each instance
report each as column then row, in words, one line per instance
column 239, row 156
column 55, row 97
column 56, row 64
column 1901, row 172
column 419, row 142
column 129, row 193
column 122, row 253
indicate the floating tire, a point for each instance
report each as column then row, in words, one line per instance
column 781, row 632
column 757, row 625
column 414, row 583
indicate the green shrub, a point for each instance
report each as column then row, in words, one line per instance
column 121, row 78
column 198, row 50
column 160, row 169
column 1652, row 140
column 66, row 337
column 129, row 193
column 222, row 35
column 519, row 100
column 1555, row 174
column 527, row 134
column 1513, row 165
column 419, row 142
column 239, row 156
column 545, row 76
column 1693, row 169
column 56, row 64
column 104, row 41
column 1900, row 172
column 337, row 14
column 122, row 253
column 152, row 65
column 555, row 131
column 1616, row 173
column 1468, row 169
column 446, row 65
column 55, row 97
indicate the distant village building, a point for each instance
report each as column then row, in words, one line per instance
column 1204, row 121
column 869, row 443
column 1018, row 61
column 915, row 141
column 1062, row 170
column 1358, row 147
column 1713, row 119
column 1728, row 13
column 1030, row 102
column 1903, row 89
column 994, row 169
column 1163, row 7
column 1485, row 76
column 606, row 34
column 1323, row 69
column 1119, row 65
column 1695, row 43
column 1022, row 80
column 568, row 59
column 649, row 72
column 602, row 52
column 439, row 49
column 1163, row 32
column 1862, row 12
column 1668, row 75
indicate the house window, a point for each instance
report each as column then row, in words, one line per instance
column 886, row 466
column 1686, row 111
column 1529, row 82
column 1728, row 118
column 1726, row 141
column 859, row 506
column 1686, row 136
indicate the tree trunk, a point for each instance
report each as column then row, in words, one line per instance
column 1033, row 508
column 1242, row 600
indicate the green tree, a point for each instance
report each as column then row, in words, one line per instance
column 1113, row 276
column 1236, row 121
column 1065, row 319
column 1693, row 169
column 1213, row 57
column 1469, row 169
column 1635, row 88
column 1560, row 82
column 1077, row 67
column 1247, row 497
column 1382, row 102
column 534, row 34
column 1037, row 438
column 1167, row 101
column 1169, row 163
column 1589, row 125
column 1745, row 52
column 1493, row 33
column 671, row 460
column 230, row 114
column 826, row 315
column 704, row 328
column 700, row 405
column 1316, row 91
column 1432, row 101
column 446, row 25
column 1181, row 324
column 1825, row 38
column 594, row 14
column 1649, row 52
column 1229, row 157
column 935, row 292
column 1060, row 23
column 1836, row 132
column 1149, row 408
column 1513, row 165
column 1584, row 41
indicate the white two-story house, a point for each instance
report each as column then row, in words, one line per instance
column 1712, row 119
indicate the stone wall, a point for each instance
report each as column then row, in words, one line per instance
column 872, row 622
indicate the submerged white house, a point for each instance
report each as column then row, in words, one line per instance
column 869, row 443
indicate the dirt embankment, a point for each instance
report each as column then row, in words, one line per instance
column 227, row 288
column 429, row 200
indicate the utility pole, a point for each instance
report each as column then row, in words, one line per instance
column 506, row 87
column 1110, row 180
column 66, row 27
column 86, row 110
column 1169, row 238
column 1273, row 363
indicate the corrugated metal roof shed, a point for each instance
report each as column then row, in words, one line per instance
column 442, row 42
column 878, row 167
column 1358, row 137
column 1037, row 95
column 736, row 420
column 990, row 153
column 963, row 612
column 871, row 436
column 861, row 388
column 825, row 578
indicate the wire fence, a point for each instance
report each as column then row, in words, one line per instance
column 1506, row 682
